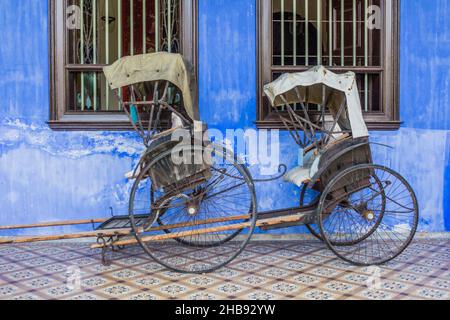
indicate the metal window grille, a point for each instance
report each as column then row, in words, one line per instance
column 333, row 33
column 107, row 31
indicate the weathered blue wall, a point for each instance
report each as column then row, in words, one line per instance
column 422, row 152
column 46, row 175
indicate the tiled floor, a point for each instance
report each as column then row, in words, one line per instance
column 274, row 270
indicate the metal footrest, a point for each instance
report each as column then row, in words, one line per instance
column 122, row 222
column 306, row 212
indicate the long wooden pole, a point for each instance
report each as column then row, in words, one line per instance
column 237, row 226
column 98, row 233
column 53, row 224
column 199, row 223
column 90, row 234
column 126, row 232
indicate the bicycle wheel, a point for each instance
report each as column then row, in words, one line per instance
column 200, row 224
column 193, row 242
column 315, row 229
column 368, row 215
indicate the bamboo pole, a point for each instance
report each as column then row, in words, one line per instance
column 53, row 224
column 238, row 226
column 90, row 234
column 199, row 223
column 105, row 233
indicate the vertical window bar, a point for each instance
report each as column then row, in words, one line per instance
column 330, row 31
column 354, row 33
column 319, row 32
column 307, row 32
column 82, row 53
column 157, row 28
column 366, row 57
column 282, row 32
column 366, row 35
column 119, row 41
column 169, row 25
column 131, row 27
column 107, row 48
column 94, row 25
column 295, row 31
column 342, row 33
column 119, row 29
column 144, row 26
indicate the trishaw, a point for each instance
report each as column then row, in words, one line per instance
column 193, row 205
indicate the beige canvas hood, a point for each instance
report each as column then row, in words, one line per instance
column 153, row 67
column 318, row 85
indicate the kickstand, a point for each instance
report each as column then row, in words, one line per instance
column 105, row 249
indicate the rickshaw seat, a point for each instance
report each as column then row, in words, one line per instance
column 158, row 140
column 303, row 174
column 298, row 175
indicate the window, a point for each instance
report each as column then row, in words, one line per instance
column 343, row 35
column 86, row 35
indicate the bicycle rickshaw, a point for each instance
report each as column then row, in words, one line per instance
column 193, row 205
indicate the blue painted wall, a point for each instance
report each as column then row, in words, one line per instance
column 46, row 175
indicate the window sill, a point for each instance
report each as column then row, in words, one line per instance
column 381, row 124
column 91, row 123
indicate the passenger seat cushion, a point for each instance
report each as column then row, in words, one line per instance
column 297, row 176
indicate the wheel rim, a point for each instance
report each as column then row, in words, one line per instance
column 215, row 202
column 365, row 222
column 313, row 228
column 201, row 244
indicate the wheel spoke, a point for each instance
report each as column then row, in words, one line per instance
column 377, row 221
column 191, row 213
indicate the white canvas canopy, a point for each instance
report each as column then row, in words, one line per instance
column 323, row 87
column 158, row 66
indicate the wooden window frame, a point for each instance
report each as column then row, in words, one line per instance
column 60, row 119
column 387, row 120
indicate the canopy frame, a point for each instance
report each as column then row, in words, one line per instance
column 146, row 115
column 153, row 82
column 317, row 127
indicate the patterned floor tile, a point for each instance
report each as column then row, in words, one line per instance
column 229, row 289
column 143, row 297
column 337, row 286
column 84, row 297
column 10, row 267
column 26, row 296
column 442, row 284
column 202, row 296
column 8, row 290
column 261, row 295
column 117, row 291
column 266, row 270
column 433, row 294
column 319, row 295
column 39, row 283
column 274, row 272
column 94, row 282
column 173, row 290
column 285, row 288
column 201, row 281
column 253, row 280
column 125, row 274
column 376, row 295
column 60, row 291
column 306, row 279
column 20, row 275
